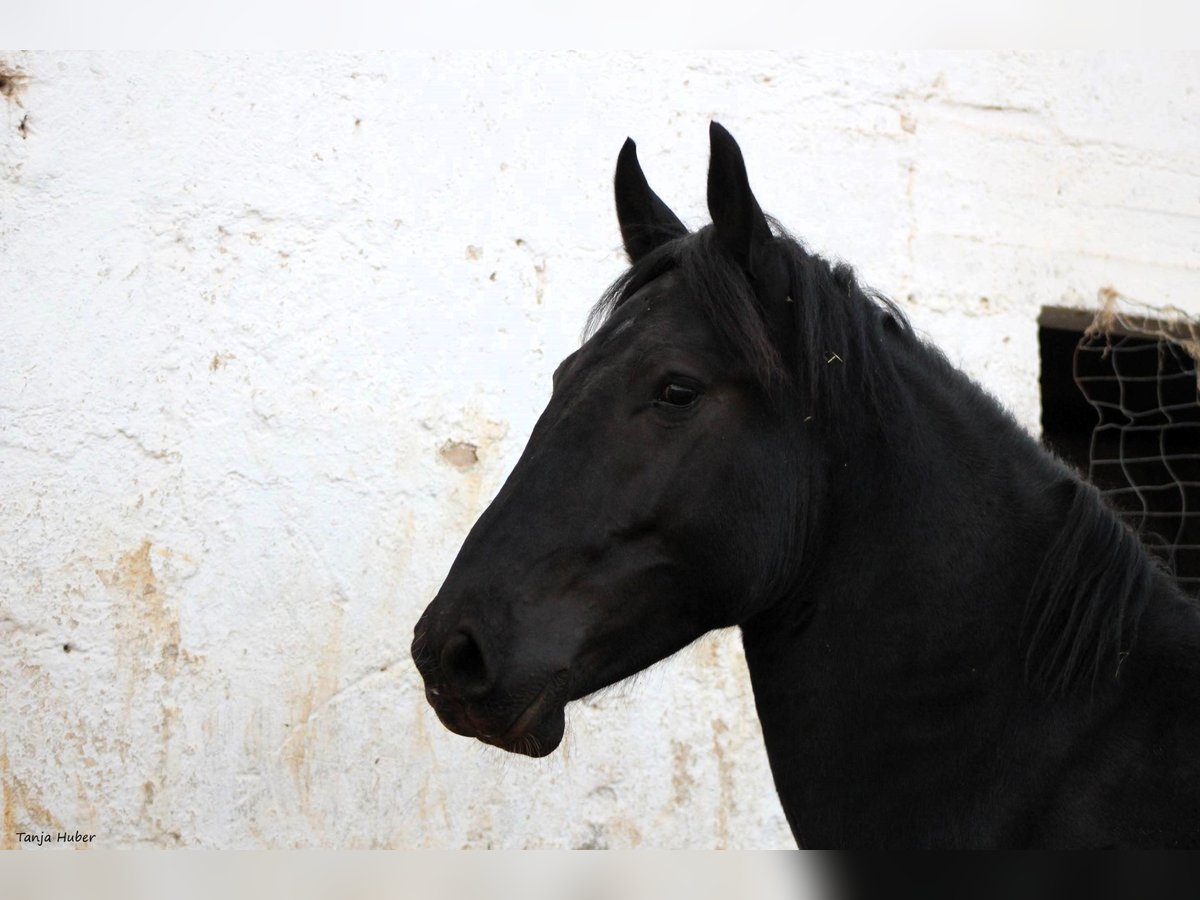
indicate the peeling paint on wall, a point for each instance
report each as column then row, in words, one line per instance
column 269, row 350
column 460, row 454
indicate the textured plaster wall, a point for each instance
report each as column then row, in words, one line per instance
column 273, row 330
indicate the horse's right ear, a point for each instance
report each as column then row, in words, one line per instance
column 646, row 222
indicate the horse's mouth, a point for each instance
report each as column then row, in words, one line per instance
column 536, row 731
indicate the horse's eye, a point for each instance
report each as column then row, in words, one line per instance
column 678, row 395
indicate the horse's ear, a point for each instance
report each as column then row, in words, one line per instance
column 737, row 217
column 646, row 222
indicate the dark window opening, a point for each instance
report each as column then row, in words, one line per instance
column 1121, row 405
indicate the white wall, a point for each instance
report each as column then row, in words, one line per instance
column 245, row 302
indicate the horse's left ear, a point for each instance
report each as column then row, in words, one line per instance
column 737, row 217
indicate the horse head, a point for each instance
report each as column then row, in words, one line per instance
column 655, row 500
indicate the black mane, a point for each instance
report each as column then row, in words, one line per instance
column 1081, row 617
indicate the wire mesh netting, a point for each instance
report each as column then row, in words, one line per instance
column 1137, row 368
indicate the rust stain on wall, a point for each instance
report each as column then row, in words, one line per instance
column 720, row 731
column 134, row 574
column 306, row 736
column 149, row 658
column 709, row 651
column 624, row 830
column 9, row 838
column 681, row 779
column 17, row 795
column 220, row 360
column 12, row 83
column 148, row 629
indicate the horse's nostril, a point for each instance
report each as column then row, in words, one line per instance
column 464, row 666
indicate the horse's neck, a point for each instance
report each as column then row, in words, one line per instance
column 885, row 688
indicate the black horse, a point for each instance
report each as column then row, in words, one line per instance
column 953, row 641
